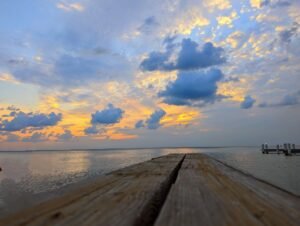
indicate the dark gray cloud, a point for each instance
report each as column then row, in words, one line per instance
column 149, row 25
column 193, row 88
column 287, row 100
column 23, row 120
column 286, row 36
column 189, row 57
column 12, row 108
column 20, row 61
column 248, row 102
column 153, row 122
column 139, row 124
column 276, row 3
column 109, row 115
column 157, row 61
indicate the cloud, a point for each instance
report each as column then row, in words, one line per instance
column 217, row 4
column 6, row 77
column 227, row 20
column 153, row 122
column 73, row 59
column 231, row 79
column 75, row 67
column 74, row 70
column 286, row 36
column 67, row 135
column 34, row 74
column 70, row 6
column 188, row 19
column 149, row 24
column 189, row 57
column 193, row 88
column 192, row 58
column 35, row 137
column 10, row 137
column 275, row 3
column 236, row 39
column 139, row 124
column 23, row 120
column 270, row 3
column 247, row 102
column 91, row 130
column 109, row 115
column 287, row 100
column 157, row 61
column 12, row 108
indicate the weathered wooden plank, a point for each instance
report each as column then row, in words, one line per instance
column 209, row 193
column 125, row 197
column 287, row 202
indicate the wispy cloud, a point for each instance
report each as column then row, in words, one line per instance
column 287, row 100
column 68, row 7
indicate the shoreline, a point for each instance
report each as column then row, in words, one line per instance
column 134, row 148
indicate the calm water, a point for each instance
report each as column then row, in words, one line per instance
column 32, row 177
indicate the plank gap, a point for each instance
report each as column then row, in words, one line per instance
column 152, row 209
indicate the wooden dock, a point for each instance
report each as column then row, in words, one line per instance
column 176, row 189
column 287, row 149
column 281, row 151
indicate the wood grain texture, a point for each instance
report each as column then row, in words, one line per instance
column 124, row 197
column 207, row 192
column 177, row 190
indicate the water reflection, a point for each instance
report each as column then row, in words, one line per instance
column 13, row 166
column 14, row 197
column 44, row 163
column 279, row 170
column 27, row 178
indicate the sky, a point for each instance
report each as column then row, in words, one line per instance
column 152, row 73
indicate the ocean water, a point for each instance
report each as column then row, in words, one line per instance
column 28, row 178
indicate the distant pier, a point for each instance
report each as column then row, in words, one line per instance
column 172, row 190
column 287, row 149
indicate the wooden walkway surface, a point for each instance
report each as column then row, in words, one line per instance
column 176, row 189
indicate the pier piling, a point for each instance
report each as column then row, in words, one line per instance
column 287, row 149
